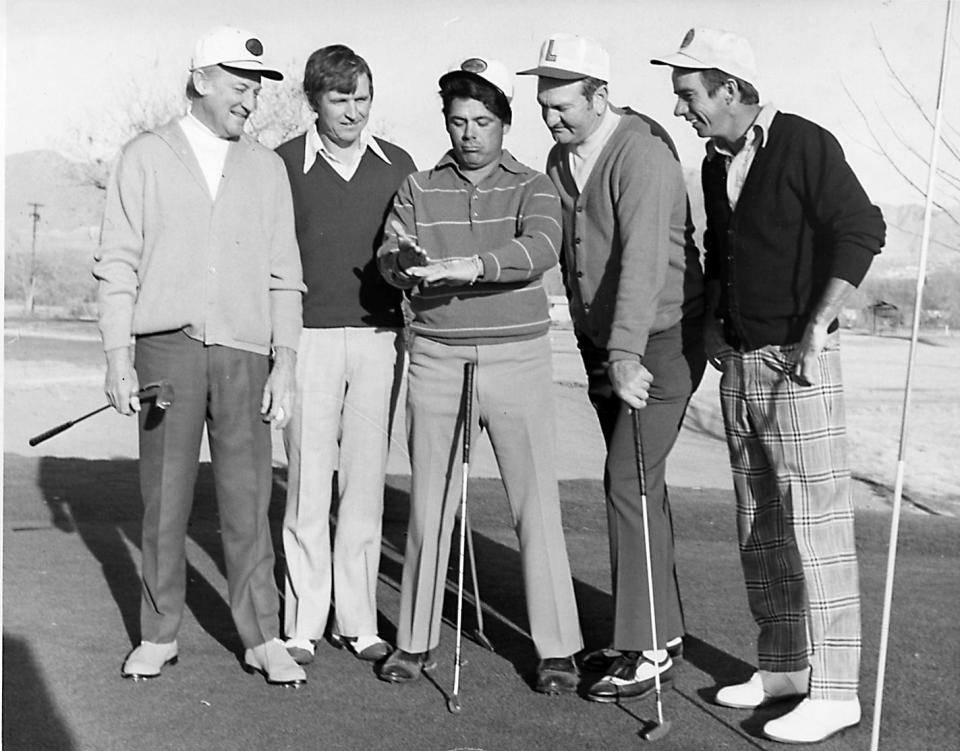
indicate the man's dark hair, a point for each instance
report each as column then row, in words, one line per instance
column 334, row 68
column 470, row 87
column 713, row 79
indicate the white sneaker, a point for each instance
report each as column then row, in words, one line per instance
column 764, row 687
column 814, row 720
column 148, row 659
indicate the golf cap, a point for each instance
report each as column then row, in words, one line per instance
column 484, row 69
column 234, row 48
column 571, row 57
column 702, row 49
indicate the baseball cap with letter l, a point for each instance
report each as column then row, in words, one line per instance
column 571, row 57
column 702, row 49
column 485, row 70
column 232, row 48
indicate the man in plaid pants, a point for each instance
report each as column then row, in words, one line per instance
column 790, row 234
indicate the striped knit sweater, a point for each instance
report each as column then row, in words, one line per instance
column 511, row 220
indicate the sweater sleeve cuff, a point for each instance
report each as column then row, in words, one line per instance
column 287, row 311
column 851, row 265
column 615, row 355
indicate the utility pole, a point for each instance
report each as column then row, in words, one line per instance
column 32, row 281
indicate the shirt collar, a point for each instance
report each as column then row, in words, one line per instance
column 507, row 162
column 596, row 140
column 757, row 133
column 313, row 145
column 193, row 125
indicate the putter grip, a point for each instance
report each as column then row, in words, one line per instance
column 638, row 451
column 50, row 433
column 468, row 369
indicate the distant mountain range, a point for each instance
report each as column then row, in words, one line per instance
column 71, row 209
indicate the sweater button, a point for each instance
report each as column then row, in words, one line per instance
column 579, row 274
column 576, row 241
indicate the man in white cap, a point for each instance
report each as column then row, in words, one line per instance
column 471, row 239
column 790, row 233
column 635, row 286
column 200, row 285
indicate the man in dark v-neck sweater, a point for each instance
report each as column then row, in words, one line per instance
column 343, row 180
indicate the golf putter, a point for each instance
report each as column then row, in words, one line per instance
column 453, row 703
column 163, row 399
column 654, row 730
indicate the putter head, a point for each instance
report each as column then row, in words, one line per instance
column 653, row 730
column 164, row 393
column 453, row 704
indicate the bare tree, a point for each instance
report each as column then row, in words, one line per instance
column 912, row 157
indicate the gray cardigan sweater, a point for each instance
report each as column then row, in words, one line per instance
column 630, row 264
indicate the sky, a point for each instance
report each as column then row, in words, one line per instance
column 71, row 64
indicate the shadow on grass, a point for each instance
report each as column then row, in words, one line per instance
column 31, row 719
column 100, row 501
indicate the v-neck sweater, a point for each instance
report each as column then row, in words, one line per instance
column 339, row 226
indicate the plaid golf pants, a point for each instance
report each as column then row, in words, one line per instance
column 787, row 445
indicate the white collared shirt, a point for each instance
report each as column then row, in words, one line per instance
column 208, row 147
column 738, row 165
column 313, row 145
column 584, row 155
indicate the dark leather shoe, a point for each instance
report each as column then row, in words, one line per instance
column 557, row 675
column 631, row 677
column 601, row 660
column 404, row 667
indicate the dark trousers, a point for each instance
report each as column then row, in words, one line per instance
column 676, row 359
column 220, row 388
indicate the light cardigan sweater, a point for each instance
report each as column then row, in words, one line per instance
column 630, row 264
column 225, row 270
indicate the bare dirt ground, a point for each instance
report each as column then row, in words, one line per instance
column 54, row 370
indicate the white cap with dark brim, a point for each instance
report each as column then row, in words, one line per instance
column 571, row 57
column 487, row 71
column 702, row 49
column 232, row 48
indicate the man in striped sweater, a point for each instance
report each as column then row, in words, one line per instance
column 471, row 239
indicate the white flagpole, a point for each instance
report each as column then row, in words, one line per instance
column 898, row 488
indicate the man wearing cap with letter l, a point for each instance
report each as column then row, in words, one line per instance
column 350, row 362
column 200, row 285
column 635, row 287
column 790, row 233
column 471, row 238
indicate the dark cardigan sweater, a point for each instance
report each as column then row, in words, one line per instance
column 801, row 219
column 339, row 228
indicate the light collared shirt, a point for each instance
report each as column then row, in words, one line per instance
column 208, row 147
column 738, row 165
column 584, row 155
column 313, row 145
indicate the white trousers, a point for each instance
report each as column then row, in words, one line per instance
column 347, row 384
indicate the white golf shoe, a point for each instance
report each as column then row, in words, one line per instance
column 272, row 660
column 148, row 659
column 814, row 720
column 764, row 687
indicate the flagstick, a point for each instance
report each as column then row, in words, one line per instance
column 898, row 488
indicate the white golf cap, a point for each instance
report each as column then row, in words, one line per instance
column 571, row 57
column 486, row 70
column 713, row 48
column 234, row 48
